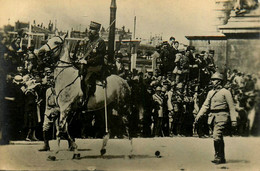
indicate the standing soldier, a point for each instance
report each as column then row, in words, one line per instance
column 220, row 105
column 51, row 113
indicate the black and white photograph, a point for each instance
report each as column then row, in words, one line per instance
column 130, row 85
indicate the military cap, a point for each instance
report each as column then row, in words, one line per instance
column 94, row 26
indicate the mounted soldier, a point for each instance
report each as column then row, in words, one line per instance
column 91, row 64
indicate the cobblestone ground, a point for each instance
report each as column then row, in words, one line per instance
column 178, row 153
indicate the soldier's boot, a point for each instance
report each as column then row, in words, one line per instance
column 46, row 146
column 221, row 152
column 216, row 148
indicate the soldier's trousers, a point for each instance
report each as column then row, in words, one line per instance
column 48, row 123
column 218, row 131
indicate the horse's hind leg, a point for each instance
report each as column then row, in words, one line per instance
column 104, row 144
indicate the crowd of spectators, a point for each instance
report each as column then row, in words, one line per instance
column 163, row 103
column 23, row 88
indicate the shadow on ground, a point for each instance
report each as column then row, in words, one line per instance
column 238, row 161
column 117, row 157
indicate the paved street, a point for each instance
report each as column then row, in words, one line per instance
column 176, row 154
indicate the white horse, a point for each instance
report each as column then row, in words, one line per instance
column 69, row 93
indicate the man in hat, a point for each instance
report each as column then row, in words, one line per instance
column 220, row 106
column 93, row 60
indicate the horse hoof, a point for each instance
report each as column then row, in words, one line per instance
column 76, row 156
column 51, row 158
column 103, row 151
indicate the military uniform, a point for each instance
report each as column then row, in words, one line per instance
column 220, row 106
column 51, row 109
column 91, row 64
column 50, row 114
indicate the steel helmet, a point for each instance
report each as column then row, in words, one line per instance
column 217, row 76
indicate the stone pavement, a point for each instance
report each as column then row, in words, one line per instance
column 178, row 153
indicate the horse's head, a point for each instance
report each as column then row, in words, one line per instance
column 52, row 49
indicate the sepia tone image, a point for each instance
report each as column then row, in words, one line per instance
column 129, row 85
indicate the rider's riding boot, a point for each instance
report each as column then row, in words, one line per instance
column 46, row 146
column 84, row 89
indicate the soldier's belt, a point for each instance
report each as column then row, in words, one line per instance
column 219, row 110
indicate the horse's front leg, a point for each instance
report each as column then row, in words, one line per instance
column 58, row 138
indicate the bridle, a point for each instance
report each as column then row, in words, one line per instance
column 55, row 49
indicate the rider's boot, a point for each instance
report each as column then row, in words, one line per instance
column 46, row 146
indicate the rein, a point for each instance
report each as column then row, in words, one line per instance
column 54, row 50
